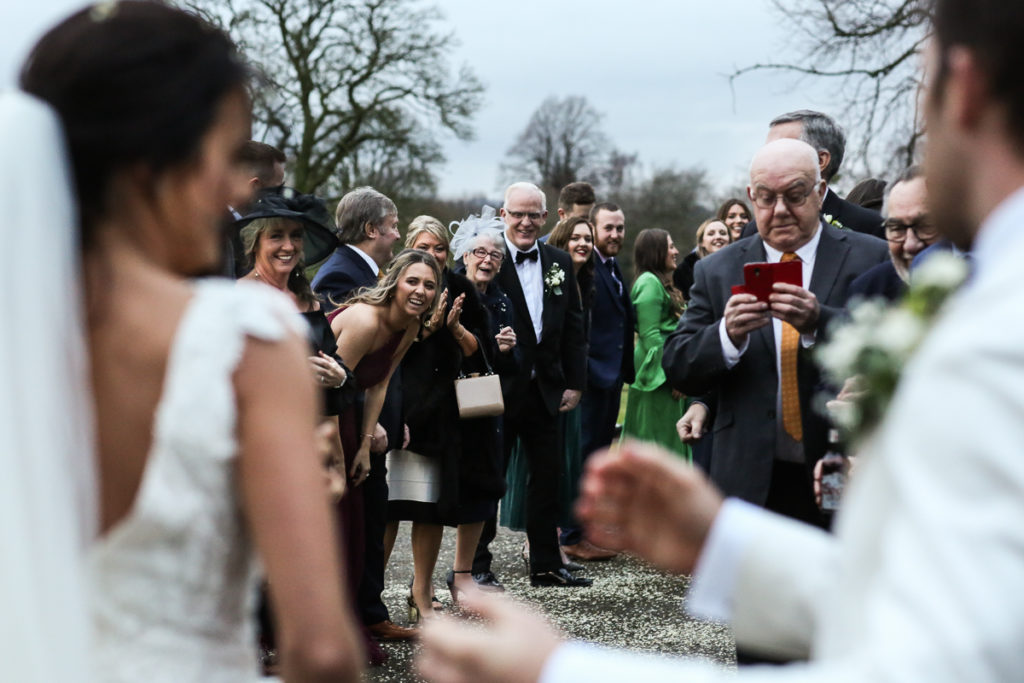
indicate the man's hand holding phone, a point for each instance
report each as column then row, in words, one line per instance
column 744, row 314
column 796, row 306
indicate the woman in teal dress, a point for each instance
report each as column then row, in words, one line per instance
column 652, row 406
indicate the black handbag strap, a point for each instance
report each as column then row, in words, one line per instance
column 483, row 354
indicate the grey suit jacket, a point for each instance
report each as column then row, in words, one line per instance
column 745, row 421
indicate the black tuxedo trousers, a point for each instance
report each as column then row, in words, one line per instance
column 541, row 439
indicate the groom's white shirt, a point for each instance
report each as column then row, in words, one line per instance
column 922, row 580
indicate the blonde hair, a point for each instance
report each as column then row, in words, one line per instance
column 431, row 226
column 699, row 236
column 382, row 293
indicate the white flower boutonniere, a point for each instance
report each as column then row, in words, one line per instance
column 553, row 279
column 832, row 221
column 878, row 340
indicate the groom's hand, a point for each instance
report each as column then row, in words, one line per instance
column 646, row 501
column 513, row 648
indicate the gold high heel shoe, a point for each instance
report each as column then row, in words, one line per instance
column 414, row 611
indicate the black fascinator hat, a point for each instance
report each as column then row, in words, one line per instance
column 319, row 240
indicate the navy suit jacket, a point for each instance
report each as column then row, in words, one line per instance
column 342, row 274
column 745, row 419
column 612, row 323
column 559, row 359
column 853, row 216
column 882, row 281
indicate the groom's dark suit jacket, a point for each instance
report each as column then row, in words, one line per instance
column 560, row 357
column 745, row 420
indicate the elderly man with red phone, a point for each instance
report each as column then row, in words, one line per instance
column 751, row 349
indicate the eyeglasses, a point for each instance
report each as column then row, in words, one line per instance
column 896, row 231
column 520, row 215
column 792, row 197
column 482, row 253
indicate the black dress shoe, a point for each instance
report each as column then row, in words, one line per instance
column 558, row 577
column 488, row 582
column 574, row 566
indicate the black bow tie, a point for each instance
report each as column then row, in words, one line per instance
column 531, row 255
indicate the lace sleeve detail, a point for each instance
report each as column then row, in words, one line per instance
column 199, row 409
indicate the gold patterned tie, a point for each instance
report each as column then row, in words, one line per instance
column 791, row 421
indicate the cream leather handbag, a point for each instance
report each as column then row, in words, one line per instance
column 479, row 395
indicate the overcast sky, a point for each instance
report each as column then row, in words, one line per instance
column 655, row 68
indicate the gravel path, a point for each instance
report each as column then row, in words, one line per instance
column 630, row 605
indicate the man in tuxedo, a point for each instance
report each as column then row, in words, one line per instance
column 367, row 228
column 826, row 136
column 908, row 231
column 539, row 281
column 756, row 357
column 610, row 355
column 917, row 584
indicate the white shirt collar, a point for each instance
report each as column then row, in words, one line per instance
column 998, row 230
column 806, row 253
column 366, row 257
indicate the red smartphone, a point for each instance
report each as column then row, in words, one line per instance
column 758, row 278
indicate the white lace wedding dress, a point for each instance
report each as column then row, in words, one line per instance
column 173, row 585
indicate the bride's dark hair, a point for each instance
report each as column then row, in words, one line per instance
column 134, row 83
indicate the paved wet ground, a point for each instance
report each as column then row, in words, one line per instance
column 630, row 605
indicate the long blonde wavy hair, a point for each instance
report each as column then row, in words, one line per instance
column 381, row 293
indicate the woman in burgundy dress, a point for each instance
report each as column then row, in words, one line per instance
column 374, row 329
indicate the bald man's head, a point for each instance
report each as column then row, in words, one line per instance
column 787, row 191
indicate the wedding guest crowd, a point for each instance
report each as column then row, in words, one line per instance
column 565, row 329
column 934, row 512
column 548, row 316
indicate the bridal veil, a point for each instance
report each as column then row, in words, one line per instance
column 47, row 488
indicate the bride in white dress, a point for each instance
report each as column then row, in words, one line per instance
column 202, row 404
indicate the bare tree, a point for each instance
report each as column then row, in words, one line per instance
column 354, row 87
column 868, row 50
column 668, row 197
column 562, row 143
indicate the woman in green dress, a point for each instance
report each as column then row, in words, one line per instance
column 652, row 406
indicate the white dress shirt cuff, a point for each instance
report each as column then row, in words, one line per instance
column 730, row 354
column 576, row 662
column 807, row 340
column 714, row 581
